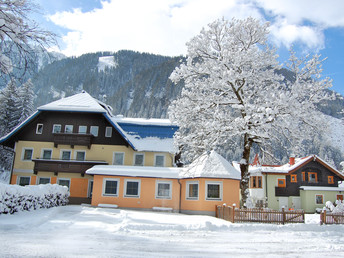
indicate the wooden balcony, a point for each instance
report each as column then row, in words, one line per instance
column 72, row 139
column 65, row 166
column 285, row 191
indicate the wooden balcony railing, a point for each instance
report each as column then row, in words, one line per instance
column 287, row 191
column 72, row 139
column 65, row 166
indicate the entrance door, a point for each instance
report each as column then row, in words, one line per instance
column 283, row 203
column 90, row 188
column 296, row 205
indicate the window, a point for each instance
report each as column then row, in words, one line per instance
column 69, row 129
column 213, row 190
column 39, row 129
column 56, row 128
column 27, row 154
column 64, row 182
column 65, row 154
column 312, row 177
column 94, row 130
column 330, row 180
column 192, row 190
column 139, row 159
column 319, row 199
column 108, row 131
column 159, row 161
column 163, row 190
column 293, row 178
column 82, row 129
column 44, row 180
column 24, row 180
column 46, row 154
column 132, row 188
column 281, row 182
column 80, row 155
column 340, row 197
column 118, row 158
column 110, row 187
column 256, row 182
column 303, row 176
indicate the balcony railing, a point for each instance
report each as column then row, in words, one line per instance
column 65, row 166
column 287, row 191
column 72, row 139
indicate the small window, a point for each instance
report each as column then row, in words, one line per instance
column 163, row 190
column 27, row 154
column 159, row 161
column 118, row 158
column 330, row 180
column 44, row 180
column 192, row 190
column 110, row 187
column 69, row 129
column 39, row 129
column 56, row 128
column 108, row 132
column 46, row 154
column 256, row 181
column 24, row 180
column 213, row 191
column 319, row 199
column 65, row 154
column 80, row 155
column 82, row 129
column 94, row 130
column 64, row 182
column 293, row 178
column 139, row 159
column 281, row 182
column 312, row 177
column 132, row 188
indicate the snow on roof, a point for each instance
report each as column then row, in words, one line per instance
column 82, row 102
column 211, row 165
column 142, row 121
column 321, row 188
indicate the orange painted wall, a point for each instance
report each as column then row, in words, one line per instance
column 146, row 200
column 53, row 180
column 14, row 180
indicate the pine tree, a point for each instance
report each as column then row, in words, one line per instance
column 26, row 100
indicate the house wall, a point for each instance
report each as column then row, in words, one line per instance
column 273, row 201
column 308, row 200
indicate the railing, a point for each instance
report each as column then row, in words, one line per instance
column 72, row 139
column 286, row 191
column 259, row 215
column 64, row 166
column 331, row 218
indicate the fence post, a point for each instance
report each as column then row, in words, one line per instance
column 233, row 212
column 283, row 216
column 323, row 217
column 216, row 211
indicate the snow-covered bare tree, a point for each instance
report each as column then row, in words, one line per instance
column 19, row 34
column 26, row 98
column 232, row 91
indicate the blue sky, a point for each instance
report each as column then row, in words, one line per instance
column 164, row 26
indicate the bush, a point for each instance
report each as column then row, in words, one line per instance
column 14, row 198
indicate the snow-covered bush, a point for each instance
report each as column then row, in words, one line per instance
column 335, row 208
column 14, row 198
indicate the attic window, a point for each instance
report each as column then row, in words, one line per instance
column 281, row 182
column 293, row 178
column 56, row 128
column 312, row 177
column 108, row 131
column 256, row 182
column 330, row 180
column 39, row 129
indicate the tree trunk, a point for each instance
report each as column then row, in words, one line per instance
column 244, row 165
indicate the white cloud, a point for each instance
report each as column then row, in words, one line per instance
column 164, row 27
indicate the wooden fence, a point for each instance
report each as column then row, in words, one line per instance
column 331, row 218
column 259, row 215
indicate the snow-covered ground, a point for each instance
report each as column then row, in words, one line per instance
column 75, row 231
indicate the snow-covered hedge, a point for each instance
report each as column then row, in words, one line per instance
column 14, row 198
column 337, row 207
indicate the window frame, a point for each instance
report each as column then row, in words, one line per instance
column 84, row 127
column 166, row 182
column 187, row 192
column 51, row 153
column 330, row 180
column 322, row 199
column 68, row 126
column 104, row 187
column 39, row 178
column 76, row 155
column 283, row 185
column 309, row 177
column 143, row 159
column 293, row 178
column 303, row 176
column 220, row 190
column 114, row 158
column 23, row 154
column 39, row 129
column 126, row 181
column 92, row 127
column 108, row 131
column 57, row 125
column 256, row 182
column 163, row 161
column 27, row 177
column 66, row 179
column 61, row 154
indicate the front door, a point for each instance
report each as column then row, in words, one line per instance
column 296, row 205
column 283, row 203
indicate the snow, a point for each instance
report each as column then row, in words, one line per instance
column 154, row 144
column 142, row 121
column 336, row 135
column 77, row 231
column 321, row 188
column 106, row 61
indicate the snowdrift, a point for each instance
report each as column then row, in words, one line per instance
column 14, row 198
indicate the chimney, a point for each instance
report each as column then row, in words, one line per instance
column 292, row 160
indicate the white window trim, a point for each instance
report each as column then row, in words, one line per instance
column 70, row 157
column 164, row 162
column 76, row 151
column 113, row 157
column 23, row 152
column 44, row 149
column 18, row 179
column 66, row 128
column 106, row 132
column 206, row 190
column 157, row 182
column 67, row 179
column 81, row 126
column 315, row 199
column 135, row 159
column 37, row 132
column 94, row 126
column 125, row 188
column 187, row 197
column 57, row 125
column 37, row 183
column 110, row 179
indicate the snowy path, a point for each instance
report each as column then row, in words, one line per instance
column 75, row 231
